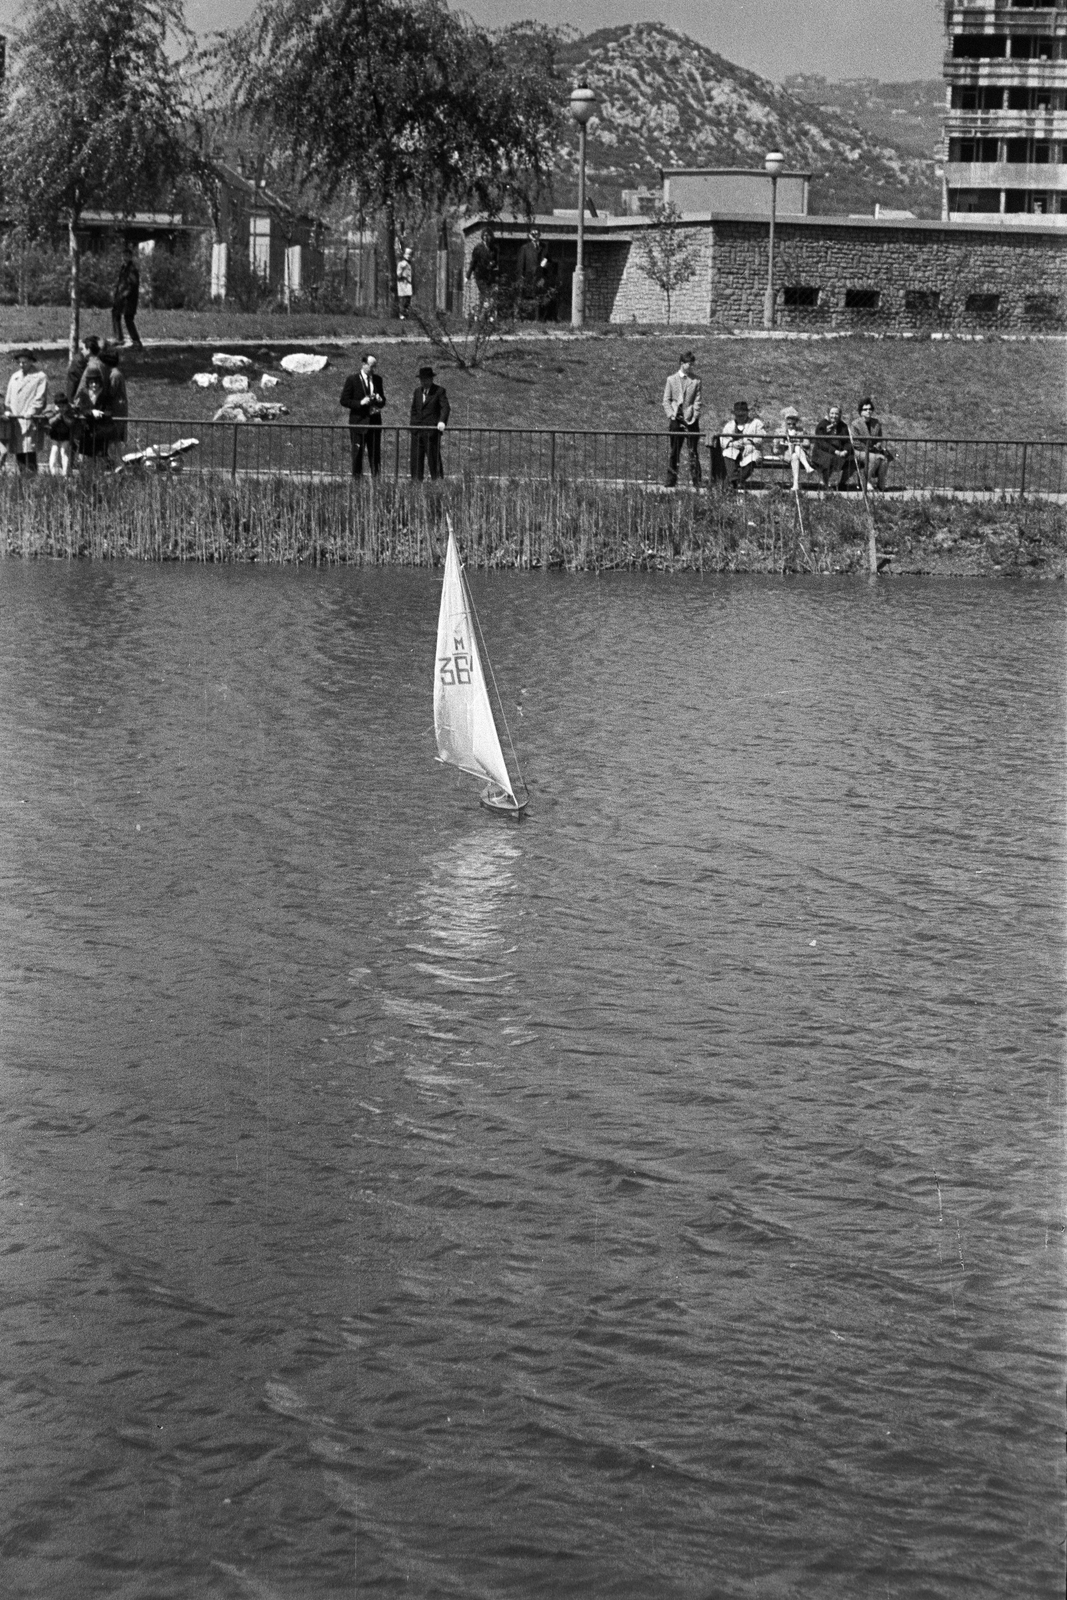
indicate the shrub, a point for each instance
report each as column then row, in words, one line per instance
column 174, row 281
column 330, row 297
column 42, row 273
column 246, row 290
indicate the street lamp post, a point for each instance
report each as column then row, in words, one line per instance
column 773, row 163
column 583, row 105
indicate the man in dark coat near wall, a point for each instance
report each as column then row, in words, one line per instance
column 429, row 414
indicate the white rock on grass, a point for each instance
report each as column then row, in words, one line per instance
column 247, row 408
column 206, row 380
column 237, row 383
column 303, row 362
column 267, row 382
column 232, row 363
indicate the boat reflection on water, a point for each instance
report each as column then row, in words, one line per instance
column 463, row 899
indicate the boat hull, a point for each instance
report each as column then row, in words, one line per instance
column 503, row 805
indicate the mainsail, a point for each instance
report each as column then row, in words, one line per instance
column 462, row 716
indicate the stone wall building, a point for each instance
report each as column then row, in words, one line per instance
column 859, row 274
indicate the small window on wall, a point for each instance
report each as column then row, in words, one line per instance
column 979, row 46
column 1034, row 201
column 921, row 302
column 862, row 299
column 982, row 305
column 973, row 200
column 973, row 149
column 1048, row 308
column 259, row 245
column 977, row 97
column 1033, row 47
column 800, row 296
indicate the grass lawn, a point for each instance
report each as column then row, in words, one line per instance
column 609, row 380
column 51, row 324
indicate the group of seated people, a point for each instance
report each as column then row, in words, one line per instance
column 855, row 450
column 80, row 424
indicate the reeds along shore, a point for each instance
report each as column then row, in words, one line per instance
column 522, row 525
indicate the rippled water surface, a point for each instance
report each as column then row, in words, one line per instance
column 662, row 1199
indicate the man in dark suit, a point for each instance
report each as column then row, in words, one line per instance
column 429, row 413
column 124, row 300
column 528, row 268
column 363, row 396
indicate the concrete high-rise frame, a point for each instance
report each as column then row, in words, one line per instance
column 1004, row 145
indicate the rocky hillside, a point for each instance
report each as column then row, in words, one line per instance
column 907, row 116
column 668, row 101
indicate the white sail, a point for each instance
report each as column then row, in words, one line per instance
column 462, row 716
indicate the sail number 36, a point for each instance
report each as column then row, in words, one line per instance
column 455, row 669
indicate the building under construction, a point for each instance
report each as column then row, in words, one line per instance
column 1005, row 132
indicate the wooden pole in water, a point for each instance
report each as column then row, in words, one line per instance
column 872, row 547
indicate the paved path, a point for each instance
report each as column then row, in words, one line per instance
column 540, row 335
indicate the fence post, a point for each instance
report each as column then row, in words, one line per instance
column 552, row 454
column 1022, row 469
column 233, row 462
column 396, row 458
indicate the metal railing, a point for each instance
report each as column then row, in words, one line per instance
column 310, row 451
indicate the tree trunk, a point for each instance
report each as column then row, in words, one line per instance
column 390, row 256
column 75, row 283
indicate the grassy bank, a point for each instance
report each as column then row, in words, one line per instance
column 614, row 381
column 516, row 525
column 51, row 324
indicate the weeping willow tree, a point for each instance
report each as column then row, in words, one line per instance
column 93, row 115
column 404, row 98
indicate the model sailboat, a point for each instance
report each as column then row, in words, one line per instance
column 463, row 718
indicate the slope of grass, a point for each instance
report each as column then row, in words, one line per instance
column 993, row 389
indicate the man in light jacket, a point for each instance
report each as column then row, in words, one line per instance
column 681, row 402
column 25, row 404
column 742, row 444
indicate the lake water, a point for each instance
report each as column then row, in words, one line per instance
column 660, row 1199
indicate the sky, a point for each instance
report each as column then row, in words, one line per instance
column 893, row 40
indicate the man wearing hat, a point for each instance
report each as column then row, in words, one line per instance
column 681, row 402
column 429, row 413
column 24, row 404
column 742, row 444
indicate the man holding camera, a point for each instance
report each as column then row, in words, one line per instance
column 363, row 396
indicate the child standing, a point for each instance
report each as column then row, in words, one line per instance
column 62, row 426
